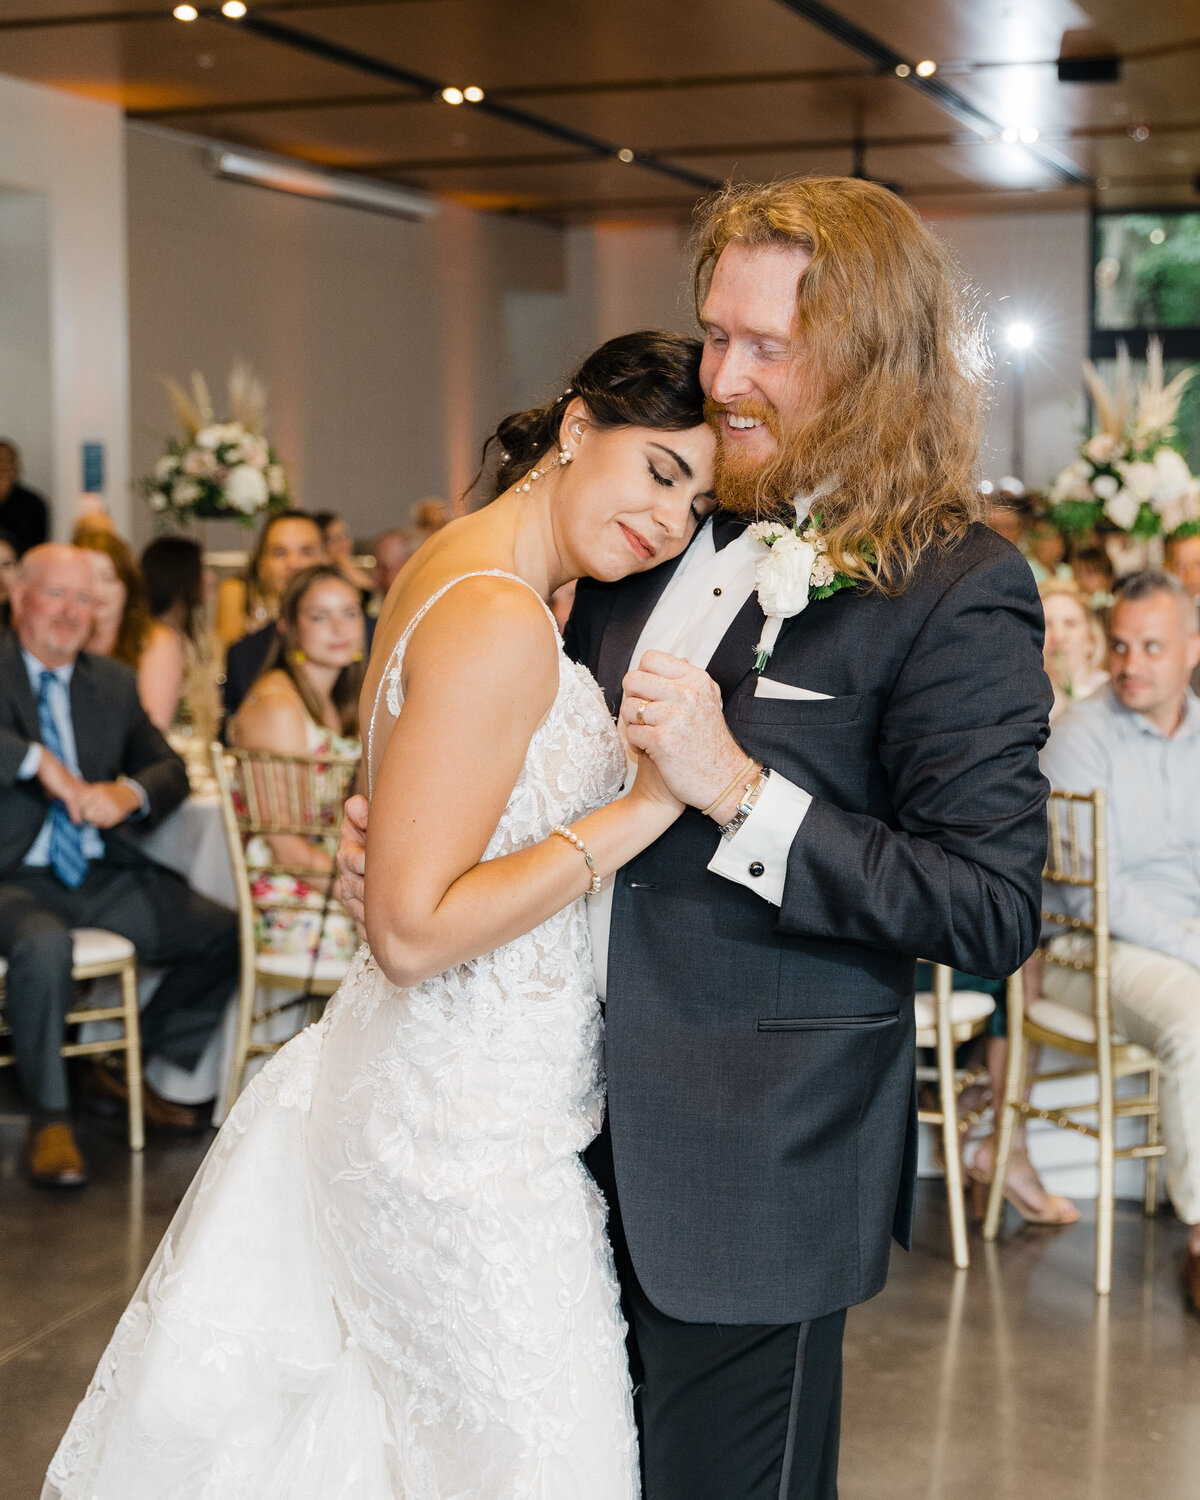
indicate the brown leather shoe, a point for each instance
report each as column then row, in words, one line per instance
column 53, row 1156
column 107, row 1091
column 1191, row 1281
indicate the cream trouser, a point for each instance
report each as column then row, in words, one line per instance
column 1156, row 1003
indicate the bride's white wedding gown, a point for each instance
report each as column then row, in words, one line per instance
column 390, row 1278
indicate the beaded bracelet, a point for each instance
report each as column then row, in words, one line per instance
column 571, row 838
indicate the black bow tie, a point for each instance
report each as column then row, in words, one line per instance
column 726, row 528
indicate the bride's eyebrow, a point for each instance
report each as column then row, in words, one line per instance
column 682, row 462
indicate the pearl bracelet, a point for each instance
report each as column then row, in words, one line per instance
column 571, row 838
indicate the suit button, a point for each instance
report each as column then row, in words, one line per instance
column 757, row 869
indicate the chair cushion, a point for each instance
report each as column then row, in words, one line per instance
column 966, row 1007
column 300, row 966
column 1051, row 1015
column 92, row 945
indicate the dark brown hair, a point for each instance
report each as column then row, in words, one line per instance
column 348, row 683
column 646, row 379
column 173, row 567
column 253, row 584
column 136, row 621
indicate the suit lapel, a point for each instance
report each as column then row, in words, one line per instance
column 16, row 683
column 85, row 718
column 632, row 607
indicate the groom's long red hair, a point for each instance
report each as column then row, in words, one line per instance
column 896, row 348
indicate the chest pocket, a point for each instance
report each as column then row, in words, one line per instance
column 806, row 712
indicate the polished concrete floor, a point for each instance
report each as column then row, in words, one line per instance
column 1009, row 1381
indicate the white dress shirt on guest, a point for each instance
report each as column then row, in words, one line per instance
column 699, row 604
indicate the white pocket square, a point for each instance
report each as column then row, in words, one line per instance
column 765, row 687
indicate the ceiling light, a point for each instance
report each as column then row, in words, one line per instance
column 927, row 68
column 185, row 12
column 1010, row 135
column 453, row 96
column 625, row 155
column 313, row 182
column 1140, row 132
column 902, row 70
column 234, row 9
column 1019, row 335
column 473, row 94
column 1157, row 236
column 1029, row 134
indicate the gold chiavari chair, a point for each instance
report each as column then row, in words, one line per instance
column 946, row 1018
column 1078, row 861
column 267, row 794
column 96, row 954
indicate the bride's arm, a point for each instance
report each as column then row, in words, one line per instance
column 478, row 682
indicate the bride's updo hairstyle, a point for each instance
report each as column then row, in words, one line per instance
column 645, row 379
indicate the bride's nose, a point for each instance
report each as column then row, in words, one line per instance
column 672, row 516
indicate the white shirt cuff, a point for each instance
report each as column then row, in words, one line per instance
column 757, row 854
column 27, row 770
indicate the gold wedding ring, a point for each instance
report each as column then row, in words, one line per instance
column 641, row 713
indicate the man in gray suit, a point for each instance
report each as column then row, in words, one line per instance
column 867, row 795
column 80, row 765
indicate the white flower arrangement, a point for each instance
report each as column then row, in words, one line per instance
column 218, row 469
column 793, row 571
column 1129, row 475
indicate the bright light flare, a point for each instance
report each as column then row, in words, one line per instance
column 185, row 13
column 473, row 94
column 453, row 96
column 234, row 9
column 927, row 68
column 1019, row 335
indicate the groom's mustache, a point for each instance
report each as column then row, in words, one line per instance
column 759, row 411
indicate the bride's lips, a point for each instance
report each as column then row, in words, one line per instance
column 640, row 545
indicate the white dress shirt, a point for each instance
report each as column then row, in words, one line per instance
column 699, row 604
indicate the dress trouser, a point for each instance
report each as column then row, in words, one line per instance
column 168, row 923
column 727, row 1411
column 1156, row 1003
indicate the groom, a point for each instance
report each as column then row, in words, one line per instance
column 871, row 796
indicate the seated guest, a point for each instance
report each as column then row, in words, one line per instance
column 1183, row 561
column 1006, row 520
column 1139, row 739
column 306, row 703
column 1095, row 575
column 1074, row 649
column 289, row 540
column 124, row 628
column 1046, row 550
column 24, row 514
column 173, row 567
column 339, row 548
column 8, row 572
column 80, row 763
column 392, row 550
column 429, row 515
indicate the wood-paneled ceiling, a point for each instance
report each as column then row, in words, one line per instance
column 696, row 91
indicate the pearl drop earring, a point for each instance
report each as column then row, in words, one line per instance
column 564, row 458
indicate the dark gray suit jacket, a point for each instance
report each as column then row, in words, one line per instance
column 760, row 1059
column 113, row 737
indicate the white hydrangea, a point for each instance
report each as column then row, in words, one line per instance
column 246, row 489
column 1122, row 509
column 1105, row 486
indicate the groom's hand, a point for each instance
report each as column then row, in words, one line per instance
column 352, row 861
column 683, row 727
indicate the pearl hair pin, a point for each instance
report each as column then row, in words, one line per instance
column 564, row 458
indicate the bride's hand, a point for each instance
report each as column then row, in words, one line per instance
column 352, row 861
column 652, row 789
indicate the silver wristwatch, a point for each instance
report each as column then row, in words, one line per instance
column 751, row 792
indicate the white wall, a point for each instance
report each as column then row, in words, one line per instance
column 71, row 151
column 389, row 349
column 26, row 378
column 1032, row 268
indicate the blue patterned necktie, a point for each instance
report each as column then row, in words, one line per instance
column 67, row 858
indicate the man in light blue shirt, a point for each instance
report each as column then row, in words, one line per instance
column 1139, row 739
column 79, row 763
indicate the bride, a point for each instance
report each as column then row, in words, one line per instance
column 390, row 1279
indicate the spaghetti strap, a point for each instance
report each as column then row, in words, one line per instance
column 390, row 675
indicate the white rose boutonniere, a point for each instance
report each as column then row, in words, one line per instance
column 793, row 571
